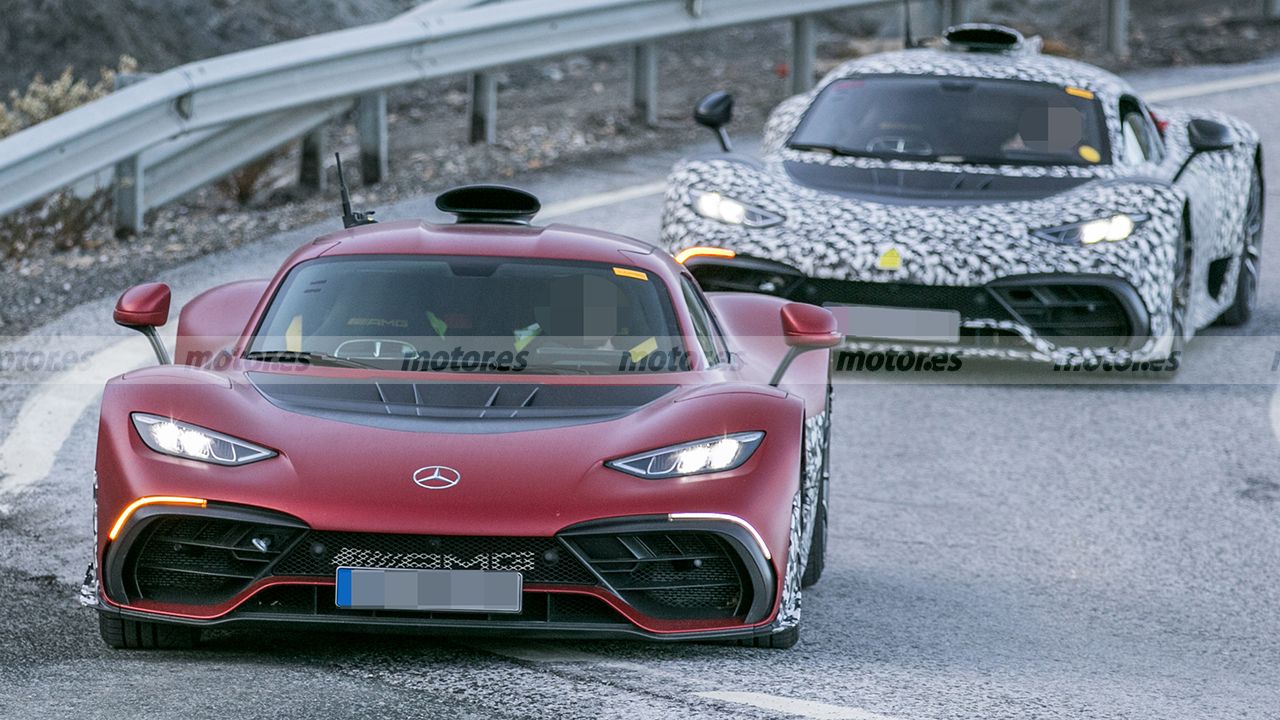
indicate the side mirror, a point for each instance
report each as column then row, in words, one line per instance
column 1210, row 136
column 716, row 111
column 805, row 328
column 144, row 308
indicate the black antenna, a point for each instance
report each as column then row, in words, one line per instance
column 350, row 219
column 907, row 40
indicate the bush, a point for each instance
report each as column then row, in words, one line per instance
column 63, row 219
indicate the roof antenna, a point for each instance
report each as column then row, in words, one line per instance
column 350, row 219
column 907, row 40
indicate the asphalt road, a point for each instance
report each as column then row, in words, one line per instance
column 1001, row 547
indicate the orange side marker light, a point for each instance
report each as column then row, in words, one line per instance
column 701, row 251
column 153, row 500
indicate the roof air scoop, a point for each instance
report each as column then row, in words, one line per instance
column 489, row 204
column 987, row 38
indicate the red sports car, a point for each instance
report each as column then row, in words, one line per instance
column 485, row 426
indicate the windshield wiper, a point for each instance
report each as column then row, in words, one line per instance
column 309, row 358
column 833, row 149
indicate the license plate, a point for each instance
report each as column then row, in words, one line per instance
column 444, row 590
column 893, row 323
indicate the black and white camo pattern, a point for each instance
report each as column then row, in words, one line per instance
column 830, row 236
column 804, row 512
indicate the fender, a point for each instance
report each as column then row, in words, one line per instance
column 214, row 320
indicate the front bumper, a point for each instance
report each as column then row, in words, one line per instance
column 657, row 577
column 1045, row 317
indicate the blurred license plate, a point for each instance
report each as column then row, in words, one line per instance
column 891, row 323
column 448, row 590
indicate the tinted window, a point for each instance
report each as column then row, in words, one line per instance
column 474, row 314
column 703, row 326
column 928, row 118
column 1139, row 140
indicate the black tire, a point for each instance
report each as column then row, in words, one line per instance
column 1182, row 272
column 1246, row 299
column 818, row 546
column 124, row 634
column 817, row 560
column 780, row 640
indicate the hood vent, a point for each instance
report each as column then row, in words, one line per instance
column 454, row 407
column 489, row 204
column 987, row 38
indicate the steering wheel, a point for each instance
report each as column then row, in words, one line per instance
column 375, row 349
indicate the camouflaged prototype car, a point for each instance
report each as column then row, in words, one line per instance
column 981, row 195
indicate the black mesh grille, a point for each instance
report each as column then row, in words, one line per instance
column 198, row 560
column 541, row 560
column 1080, row 314
column 677, row 575
column 1089, row 313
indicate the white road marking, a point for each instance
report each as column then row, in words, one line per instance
column 604, row 199
column 1275, row 413
column 46, row 418
column 530, row 652
column 543, row 653
column 1212, row 87
column 793, row 706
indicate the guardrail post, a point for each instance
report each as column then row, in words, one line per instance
column 950, row 12
column 1118, row 27
column 371, row 126
column 311, row 165
column 803, row 53
column 484, row 109
column 644, row 82
column 129, row 204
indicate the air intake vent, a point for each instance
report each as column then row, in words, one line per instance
column 200, row 561
column 984, row 38
column 489, row 204
column 673, row 575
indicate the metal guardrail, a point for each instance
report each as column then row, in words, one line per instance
column 185, row 127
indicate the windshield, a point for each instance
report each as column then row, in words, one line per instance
column 436, row 314
column 956, row 120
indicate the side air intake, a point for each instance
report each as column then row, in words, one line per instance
column 987, row 38
column 489, row 204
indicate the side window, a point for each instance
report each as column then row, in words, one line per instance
column 703, row 324
column 1139, row 140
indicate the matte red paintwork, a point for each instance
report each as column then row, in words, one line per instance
column 145, row 305
column 213, row 320
column 809, row 326
column 339, row 476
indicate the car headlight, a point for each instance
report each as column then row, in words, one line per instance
column 1091, row 232
column 714, row 206
column 691, row 458
column 183, row 440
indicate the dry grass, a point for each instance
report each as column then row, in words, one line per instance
column 64, row 219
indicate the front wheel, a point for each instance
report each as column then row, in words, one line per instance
column 817, row 559
column 1179, row 310
column 1246, row 298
